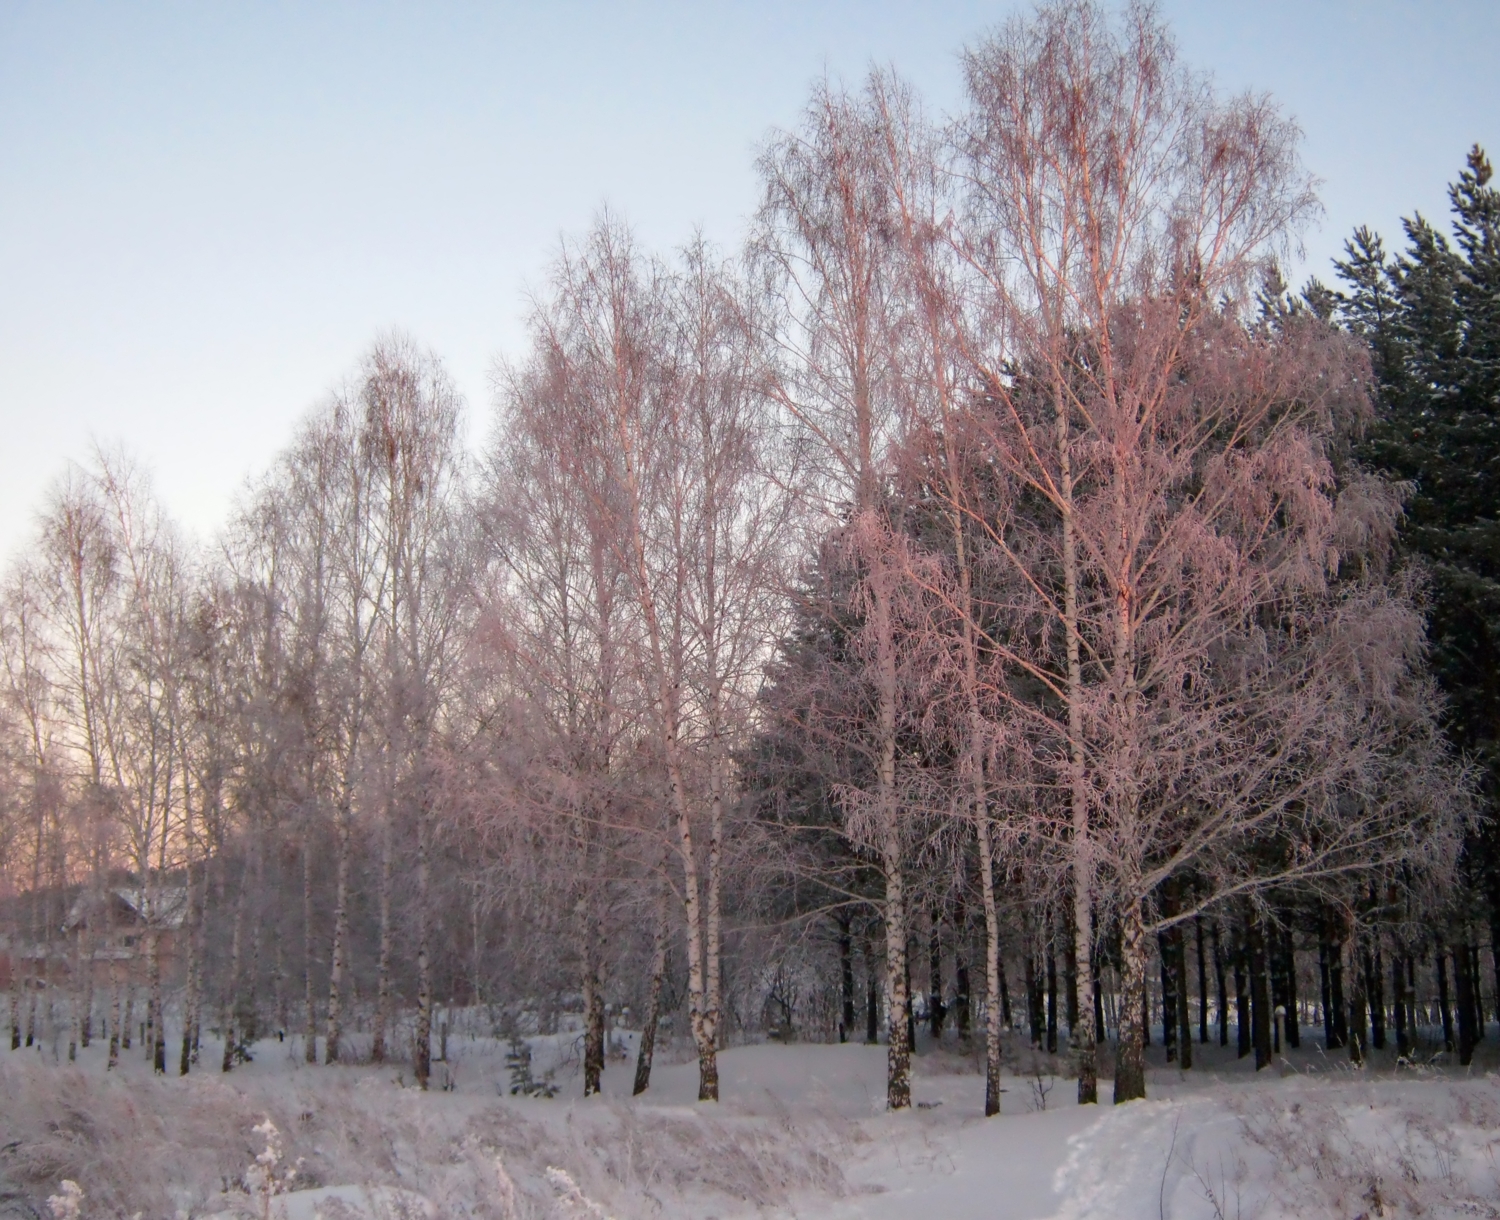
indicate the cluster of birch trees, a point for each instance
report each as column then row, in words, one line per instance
column 984, row 537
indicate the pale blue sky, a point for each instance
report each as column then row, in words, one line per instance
column 207, row 211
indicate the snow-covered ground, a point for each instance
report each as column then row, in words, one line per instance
column 801, row 1131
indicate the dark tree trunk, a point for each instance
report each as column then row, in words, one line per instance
column 1398, row 998
column 1168, row 994
column 1223, row 990
column 1477, row 977
column 935, row 1008
column 911, row 1016
column 1005, row 1014
column 1464, row 984
column 593, row 1026
column 872, row 993
column 1358, row 1016
column 1260, row 998
column 1051, row 1001
column 1411, row 992
column 647, row 1047
column 1289, row 973
column 846, row 979
column 1375, row 990
column 1325, row 994
column 1443, row 1006
column 1202, row 983
column 1184, row 1001
column 1034, row 1004
column 962, row 999
column 1336, row 993
column 1099, row 1030
column 1495, row 947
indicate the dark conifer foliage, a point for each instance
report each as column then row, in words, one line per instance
column 1431, row 317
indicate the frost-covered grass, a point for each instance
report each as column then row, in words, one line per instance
column 801, row 1132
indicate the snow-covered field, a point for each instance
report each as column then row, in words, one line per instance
column 801, row 1132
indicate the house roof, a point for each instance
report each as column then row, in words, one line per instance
column 164, row 907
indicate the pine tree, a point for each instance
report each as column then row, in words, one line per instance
column 1432, row 319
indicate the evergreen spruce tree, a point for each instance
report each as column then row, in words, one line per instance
column 1432, row 319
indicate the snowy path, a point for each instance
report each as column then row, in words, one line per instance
column 943, row 1159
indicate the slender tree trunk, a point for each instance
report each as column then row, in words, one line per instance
column 1005, row 1013
column 935, row 1009
column 1202, row 984
column 1081, row 1035
column 383, row 994
column 962, row 1000
column 309, row 1002
column 190, row 930
column 872, row 993
column 1222, row 990
column 1358, row 1006
column 992, row 997
column 75, row 997
column 157, row 1015
column 846, row 976
column 1464, row 985
column 653, row 1000
column 1398, row 998
column 1477, row 980
column 113, row 1059
column 1495, row 946
column 593, row 1008
column 1441, row 957
column 1051, row 1001
column 892, row 854
column 1168, row 961
column 1243, row 1033
column 708, row 1085
column 232, row 983
column 15, row 994
column 708, row 1066
column 422, row 1050
column 86, row 965
column 1130, row 1057
column 1260, row 997
column 338, row 954
column 1289, row 973
column 1411, row 991
column 1375, row 989
column 1184, row 1010
column 1036, row 1017
column 1336, row 990
column 200, row 936
column 1325, row 993
column 249, row 1001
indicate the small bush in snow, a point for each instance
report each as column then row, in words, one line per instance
column 67, row 1203
column 264, row 1178
column 571, row 1197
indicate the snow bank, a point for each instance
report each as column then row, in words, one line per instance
column 1297, row 1148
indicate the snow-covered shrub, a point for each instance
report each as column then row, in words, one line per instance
column 266, row 1178
column 67, row 1203
column 571, row 1197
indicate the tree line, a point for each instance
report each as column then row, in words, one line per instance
column 992, row 550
